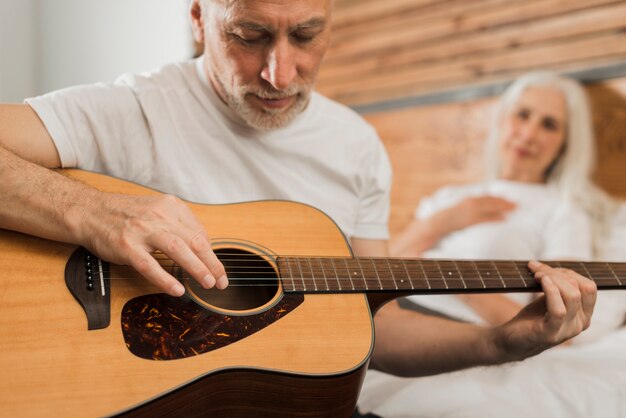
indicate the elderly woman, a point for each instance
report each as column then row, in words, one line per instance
column 536, row 202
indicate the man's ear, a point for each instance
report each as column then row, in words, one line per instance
column 197, row 20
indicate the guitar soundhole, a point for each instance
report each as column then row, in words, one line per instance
column 252, row 279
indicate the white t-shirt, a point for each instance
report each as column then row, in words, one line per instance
column 169, row 130
column 541, row 227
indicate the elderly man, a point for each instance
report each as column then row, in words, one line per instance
column 241, row 123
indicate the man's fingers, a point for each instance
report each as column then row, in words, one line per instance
column 588, row 294
column 556, row 312
column 576, row 294
column 201, row 246
column 180, row 252
column 149, row 268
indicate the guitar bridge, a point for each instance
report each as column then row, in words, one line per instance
column 87, row 278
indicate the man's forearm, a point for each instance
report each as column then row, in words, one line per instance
column 39, row 201
column 412, row 344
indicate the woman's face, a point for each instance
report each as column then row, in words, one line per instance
column 533, row 134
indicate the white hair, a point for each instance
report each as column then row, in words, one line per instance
column 571, row 173
column 576, row 163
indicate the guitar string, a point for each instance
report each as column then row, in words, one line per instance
column 265, row 269
column 492, row 284
column 371, row 275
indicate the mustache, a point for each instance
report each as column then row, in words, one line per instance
column 273, row 94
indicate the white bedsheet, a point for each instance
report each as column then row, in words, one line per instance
column 586, row 379
column 579, row 381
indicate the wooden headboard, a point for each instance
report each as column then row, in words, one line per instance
column 431, row 146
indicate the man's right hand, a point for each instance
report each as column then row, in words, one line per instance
column 127, row 229
column 119, row 228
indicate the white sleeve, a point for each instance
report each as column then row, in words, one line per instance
column 567, row 235
column 425, row 208
column 443, row 198
column 98, row 127
column 374, row 197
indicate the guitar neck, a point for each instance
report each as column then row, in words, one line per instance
column 413, row 276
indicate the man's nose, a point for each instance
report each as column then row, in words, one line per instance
column 280, row 67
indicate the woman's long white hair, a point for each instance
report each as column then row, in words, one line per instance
column 571, row 174
column 574, row 166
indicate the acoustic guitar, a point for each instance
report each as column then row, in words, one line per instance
column 290, row 337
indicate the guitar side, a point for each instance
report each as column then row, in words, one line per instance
column 310, row 361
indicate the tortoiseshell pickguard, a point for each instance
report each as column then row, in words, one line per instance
column 162, row 327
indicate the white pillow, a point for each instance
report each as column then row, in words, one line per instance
column 610, row 311
column 614, row 246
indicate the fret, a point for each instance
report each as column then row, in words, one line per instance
column 526, row 275
column 408, row 275
column 469, row 274
column 400, row 274
column 578, row 267
column 307, row 276
column 433, row 274
column 313, row 275
column 297, row 264
column 615, row 275
column 380, row 283
column 288, row 282
column 620, row 272
column 489, row 275
column 421, row 265
column 480, row 276
column 293, row 281
column 343, row 274
column 451, row 275
column 372, row 280
column 456, row 265
column 332, row 263
column 417, row 274
column 587, row 274
column 510, row 274
column 495, row 267
column 391, row 273
column 442, row 276
column 602, row 273
column 319, row 260
column 355, row 274
column 348, row 273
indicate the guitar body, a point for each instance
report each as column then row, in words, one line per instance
column 309, row 362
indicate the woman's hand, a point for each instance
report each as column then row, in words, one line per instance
column 422, row 234
column 472, row 211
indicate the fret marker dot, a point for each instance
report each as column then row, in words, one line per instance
column 449, row 273
column 354, row 273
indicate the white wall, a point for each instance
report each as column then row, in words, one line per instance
column 17, row 50
column 59, row 43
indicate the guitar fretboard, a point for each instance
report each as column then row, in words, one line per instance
column 343, row 274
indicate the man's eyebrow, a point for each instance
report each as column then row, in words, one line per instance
column 253, row 26
column 316, row 22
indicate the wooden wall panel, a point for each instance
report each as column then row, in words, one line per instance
column 385, row 50
column 431, row 146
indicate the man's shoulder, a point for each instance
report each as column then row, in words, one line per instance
column 340, row 115
column 169, row 76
